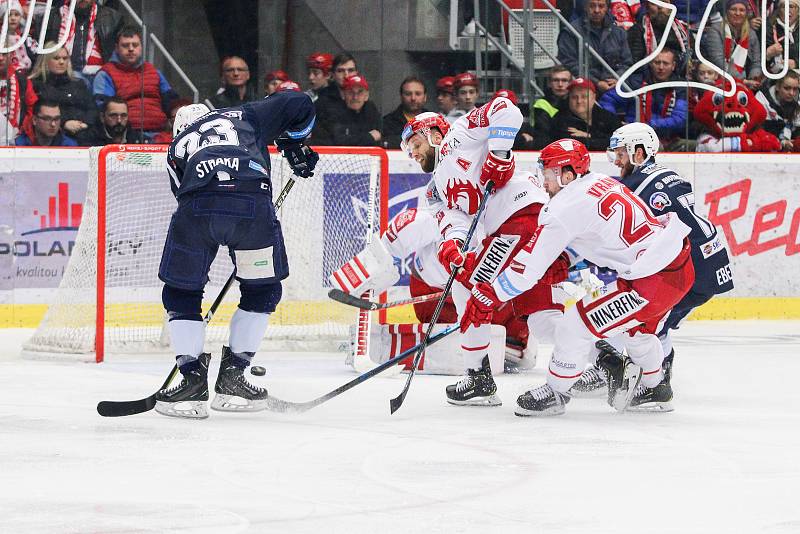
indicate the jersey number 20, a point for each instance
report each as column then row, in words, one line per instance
column 632, row 211
column 214, row 132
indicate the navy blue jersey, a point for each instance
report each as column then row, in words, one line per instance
column 226, row 149
column 664, row 190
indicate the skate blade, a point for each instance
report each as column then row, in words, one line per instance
column 519, row 411
column 632, row 377
column 232, row 403
column 492, row 400
column 183, row 409
column 652, row 407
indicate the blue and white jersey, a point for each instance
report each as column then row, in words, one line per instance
column 664, row 190
column 227, row 149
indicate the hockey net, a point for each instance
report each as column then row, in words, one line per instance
column 109, row 299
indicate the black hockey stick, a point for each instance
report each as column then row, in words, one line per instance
column 123, row 408
column 396, row 402
column 278, row 405
column 364, row 304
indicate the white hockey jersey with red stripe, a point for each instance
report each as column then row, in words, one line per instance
column 597, row 218
column 458, row 192
column 415, row 231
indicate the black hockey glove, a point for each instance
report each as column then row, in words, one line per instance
column 301, row 159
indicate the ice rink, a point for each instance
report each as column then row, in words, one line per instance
column 726, row 461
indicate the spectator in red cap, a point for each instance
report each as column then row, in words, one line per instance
column 585, row 121
column 273, row 79
column 446, row 94
column 413, row 97
column 319, row 66
column 466, row 86
column 235, row 89
column 357, row 124
column 289, row 85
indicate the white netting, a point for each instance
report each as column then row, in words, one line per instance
column 324, row 221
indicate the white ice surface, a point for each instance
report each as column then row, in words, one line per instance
column 726, row 461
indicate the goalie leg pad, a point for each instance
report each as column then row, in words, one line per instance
column 372, row 268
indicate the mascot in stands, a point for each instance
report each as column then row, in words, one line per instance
column 733, row 123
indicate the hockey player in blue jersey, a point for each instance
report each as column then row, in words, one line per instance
column 633, row 148
column 219, row 171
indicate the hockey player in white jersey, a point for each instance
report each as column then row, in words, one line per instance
column 476, row 150
column 604, row 222
column 633, row 148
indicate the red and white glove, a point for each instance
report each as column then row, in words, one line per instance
column 558, row 271
column 450, row 256
column 480, row 306
column 498, row 170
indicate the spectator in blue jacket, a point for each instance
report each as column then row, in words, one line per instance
column 666, row 110
column 610, row 41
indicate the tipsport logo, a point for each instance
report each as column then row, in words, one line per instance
column 62, row 39
column 731, row 82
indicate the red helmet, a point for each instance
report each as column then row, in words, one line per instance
column 276, row 75
column 506, row 93
column 445, row 84
column 464, row 79
column 423, row 123
column 321, row 61
column 563, row 153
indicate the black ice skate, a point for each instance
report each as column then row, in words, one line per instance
column 622, row 375
column 187, row 399
column 667, row 366
column 233, row 392
column 541, row 401
column 477, row 388
column 592, row 383
column 655, row 399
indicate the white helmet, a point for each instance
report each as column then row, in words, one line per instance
column 630, row 136
column 187, row 115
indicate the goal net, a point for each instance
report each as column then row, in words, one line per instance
column 109, row 299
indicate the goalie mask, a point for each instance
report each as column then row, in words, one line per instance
column 186, row 116
column 631, row 136
column 422, row 124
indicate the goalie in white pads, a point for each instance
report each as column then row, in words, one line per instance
column 605, row 223
column 464, row 158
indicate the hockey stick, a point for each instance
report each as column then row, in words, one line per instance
column 277, row 405
column 396, row 402
column 364, row 304
column 123, row 408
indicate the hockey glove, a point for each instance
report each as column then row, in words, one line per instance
column 301, row 159
column 450, row 256
column 480, row 307
column 558, row 270
column 497, row 170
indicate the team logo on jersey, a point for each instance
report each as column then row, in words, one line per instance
column 499, row 104
column 463, row 194
column 493, row 259
column 659, row 201
column 477, row 118
column 711, row 247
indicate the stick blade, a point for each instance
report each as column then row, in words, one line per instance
column 121, row 409
column 346, row 298
column 396, row 402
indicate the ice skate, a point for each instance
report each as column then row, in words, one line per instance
column 667, row 366
column 622, row 376
column 233, row 392
column 519, row 358
column 592, row 383
column 541, row 401
column 187, row 399
column 476, row 388
column 655, row 399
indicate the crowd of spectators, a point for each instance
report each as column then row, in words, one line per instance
column 97, row 88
